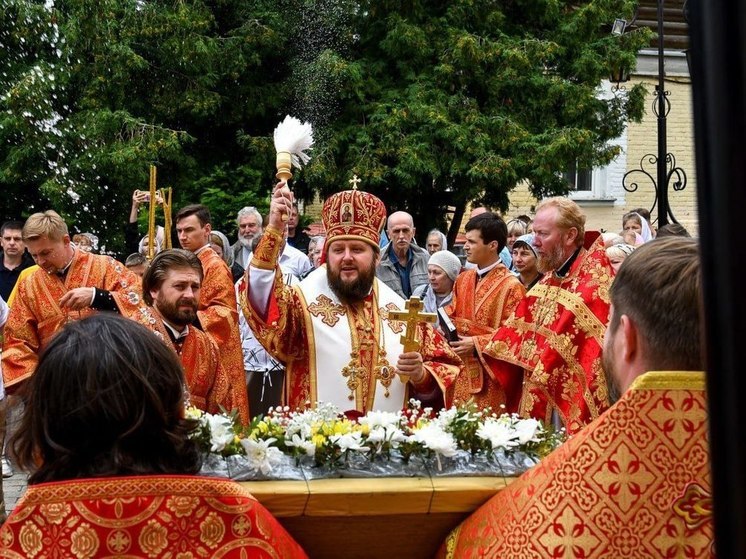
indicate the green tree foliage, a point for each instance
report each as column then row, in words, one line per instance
column 94, row 92
column 446, row 102
column 433, row 104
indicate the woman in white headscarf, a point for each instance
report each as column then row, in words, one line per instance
column 442, row 270
column 220, row 244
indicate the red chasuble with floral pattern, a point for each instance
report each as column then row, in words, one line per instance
column 205, row 378
column 36, row 314
column 553, row 343
column 158, row 517
column 478, row 308
column 635, row 483
column 218, row 315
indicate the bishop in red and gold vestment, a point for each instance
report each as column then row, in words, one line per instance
column 144, row 516
column 483, row 298
column 342, row 352
column 634, row 483
column 552, row 344
column 36, row 313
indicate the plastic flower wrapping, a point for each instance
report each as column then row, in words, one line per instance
column 323, row 443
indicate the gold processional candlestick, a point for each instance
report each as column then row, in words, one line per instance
column 163, row 197
column 166, row 197
column 412, row 316
column 151, row 214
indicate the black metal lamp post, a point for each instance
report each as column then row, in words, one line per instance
column 667, row 172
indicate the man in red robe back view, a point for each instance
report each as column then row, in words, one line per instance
column 636, row 482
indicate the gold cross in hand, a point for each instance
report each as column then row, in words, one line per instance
column 412, row 316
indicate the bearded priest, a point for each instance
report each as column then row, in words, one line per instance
column 332, row 329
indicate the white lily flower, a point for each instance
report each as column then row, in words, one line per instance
column 221, row 431
column 349, row 441
column 303, row 443
column 527, row 430
column 261, row 455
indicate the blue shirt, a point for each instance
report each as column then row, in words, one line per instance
column 403, row 271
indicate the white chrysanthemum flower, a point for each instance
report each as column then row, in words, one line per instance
column 380, row 419
column 349, row 441
column 498, row 433
column 193, row 413
column 436, row 439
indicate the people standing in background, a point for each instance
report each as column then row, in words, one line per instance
column 219, row 243
column 403, row 265
column 483, row 298
column 618, row 253
column 249, row 222
column 442, row 270
column 15, row 259
column 525, row 261
column 295, row 236
column 436, row 241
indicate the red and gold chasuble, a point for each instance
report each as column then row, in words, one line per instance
column 36, row 314
column 218, row 315
column 553, row 342
column 635, row 483
column 204, row 376
column 478, row 308
column 342, row 355
column 146, row 516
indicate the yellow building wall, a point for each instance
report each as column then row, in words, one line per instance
column 642, row 139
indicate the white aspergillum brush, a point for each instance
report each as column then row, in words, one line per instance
column 292, row 139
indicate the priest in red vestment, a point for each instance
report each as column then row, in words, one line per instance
column 69, row 284
column 105, row 439
column 548, row 354
column 218, row 309
column 483, row 297
column 171, row 286
column 635, row 482
column 333, row 329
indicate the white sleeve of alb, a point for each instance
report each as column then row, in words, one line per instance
column 261, row 282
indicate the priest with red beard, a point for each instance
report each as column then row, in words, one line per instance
column 547, row 355
column 332, row 329
column 171, row 287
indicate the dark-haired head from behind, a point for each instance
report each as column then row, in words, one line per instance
column 107, row 399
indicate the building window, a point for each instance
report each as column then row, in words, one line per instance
column 580, row 180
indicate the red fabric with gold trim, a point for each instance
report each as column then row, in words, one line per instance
column 218, row 315
column 36, row 315
column 147, row 516
column 477, row 310
column 353, row 214
column 635, row 483
column 553, row 343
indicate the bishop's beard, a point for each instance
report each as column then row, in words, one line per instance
column 354, row 291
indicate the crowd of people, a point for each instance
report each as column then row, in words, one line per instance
column 544, row 315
